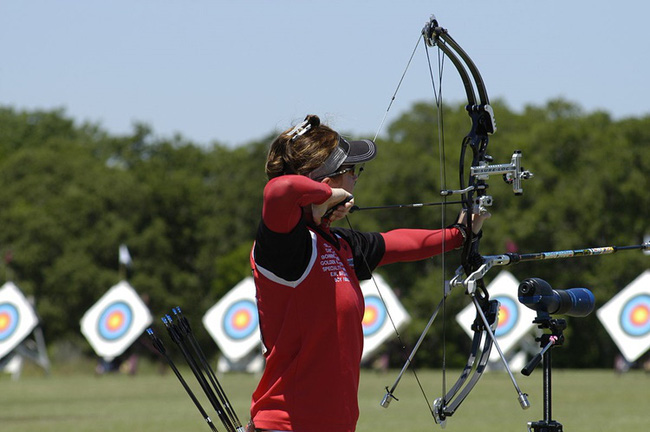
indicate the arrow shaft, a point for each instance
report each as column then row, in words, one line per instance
column 512, row 258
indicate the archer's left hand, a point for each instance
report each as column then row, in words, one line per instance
column 477, row 220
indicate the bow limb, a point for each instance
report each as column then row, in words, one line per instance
column 483, row 125
column 446, row 406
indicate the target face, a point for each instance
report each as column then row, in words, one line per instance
column 374, row 315
column 508, row 315
column 115, row 321
column 9, row 319
column 233, row 322
column 626, row 317
column 375, row 320
column 635, row 316
column 240, row 320
column 17, row 318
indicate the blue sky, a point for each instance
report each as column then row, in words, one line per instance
column 233, row 71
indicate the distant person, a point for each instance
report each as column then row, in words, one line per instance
column 307, row 278
column 621, row 365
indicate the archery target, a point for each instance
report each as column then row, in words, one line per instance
column 626, row 317
column 374, row 315
column 514, row 320
column 635, row 316
column 240, row 320
column 9, row 319
column 17, row 318
column 233, row 322
column 117, row 319
column 114, row 321
column 508, row 315
column 376, row 323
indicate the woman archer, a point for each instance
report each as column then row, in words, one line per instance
column 307, row 279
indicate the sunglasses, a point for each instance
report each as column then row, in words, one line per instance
column 345, row 169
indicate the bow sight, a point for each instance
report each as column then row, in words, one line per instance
column 513, row 173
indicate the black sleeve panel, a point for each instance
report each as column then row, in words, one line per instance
column 368, row 250
column 286, row 255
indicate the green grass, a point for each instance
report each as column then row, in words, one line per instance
column 78, row 401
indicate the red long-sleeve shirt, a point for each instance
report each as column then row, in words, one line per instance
column 311, row 306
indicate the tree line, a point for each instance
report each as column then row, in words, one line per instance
column 71, row 193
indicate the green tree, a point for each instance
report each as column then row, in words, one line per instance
column 70, row 194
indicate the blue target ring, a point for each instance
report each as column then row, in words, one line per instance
column 508, row 315
column 240, row 319
column 9, row 318
column 115, row 321
column 374, row 316
column 635, row 316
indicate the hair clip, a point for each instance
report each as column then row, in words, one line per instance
column 299, row 130
column 303, row 127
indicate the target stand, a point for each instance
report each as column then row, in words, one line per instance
column 33, row 349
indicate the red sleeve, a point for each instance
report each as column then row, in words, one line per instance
column 284, row 198
column 418, row 244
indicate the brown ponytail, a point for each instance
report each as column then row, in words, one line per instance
column 301, row 149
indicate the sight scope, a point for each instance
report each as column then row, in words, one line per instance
column 538, row 295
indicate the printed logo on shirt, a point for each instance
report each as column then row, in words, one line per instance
column 332, row 264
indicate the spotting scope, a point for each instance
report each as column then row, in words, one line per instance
column 538, row 295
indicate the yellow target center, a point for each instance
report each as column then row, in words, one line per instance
column 241, row 319
column 503, row 316
column 640, row 315
column 115, row 321
column 369, row 316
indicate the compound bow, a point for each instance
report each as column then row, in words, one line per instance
column 475, row 200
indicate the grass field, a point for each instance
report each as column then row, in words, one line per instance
column 78, row 401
